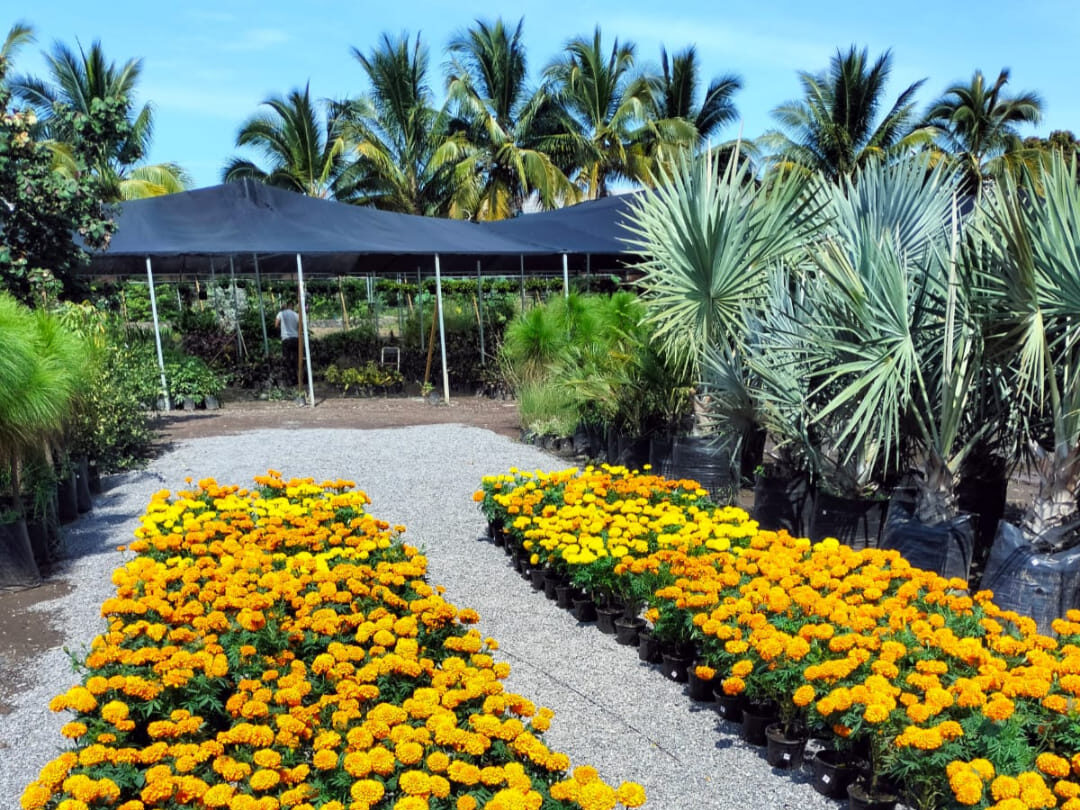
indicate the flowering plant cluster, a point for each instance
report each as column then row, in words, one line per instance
column 959, row 702
column 281, row 648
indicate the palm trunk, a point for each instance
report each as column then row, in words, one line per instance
column 1055, row 504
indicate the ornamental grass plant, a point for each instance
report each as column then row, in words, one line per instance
column 960, row 703
column 282, row 648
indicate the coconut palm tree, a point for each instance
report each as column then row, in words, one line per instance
column 87, row 84
column 675, row 92
column 977, row 124
column 403, row 148
column 606, row 108
column 834, row 128
column 506, row 160
column 303, row 144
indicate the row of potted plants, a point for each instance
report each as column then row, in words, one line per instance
column 952, row 701
column 282, row 648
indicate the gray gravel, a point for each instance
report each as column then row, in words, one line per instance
column 611, row 711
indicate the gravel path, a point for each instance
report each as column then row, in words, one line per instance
column 611, row 711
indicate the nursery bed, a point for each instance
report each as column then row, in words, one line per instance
column 611, row 710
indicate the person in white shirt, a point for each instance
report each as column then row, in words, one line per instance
column 289, row 323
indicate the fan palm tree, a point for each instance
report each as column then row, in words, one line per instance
column 87, row 85
column 835, row 129
column 506, row 159
column 403, row 147
column 304, row 147
column 1027, row 275
column 891, row 338
column 606, row 108
column 707, row 238
column 977, row 124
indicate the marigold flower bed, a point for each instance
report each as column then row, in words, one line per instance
column 281, row 648
column 960, row 703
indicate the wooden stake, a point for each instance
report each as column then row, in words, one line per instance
column 431, row 343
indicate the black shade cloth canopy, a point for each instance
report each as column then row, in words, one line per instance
column 180, row 232
column 597, row 227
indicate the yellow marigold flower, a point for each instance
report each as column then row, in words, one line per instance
column 466, row 802
column 1053, row 765
column 630, row 794
column 437, row 762
column 998, row 708
column 218, row 795
column 264, row 779
column 411, row 803
column 415, row 783
column 803, row 696
column 742, row 668
column 409, row 753
column 325, row 759
column 367, row 790
column 876, row 713
column 35, row 797
column 1004, row 787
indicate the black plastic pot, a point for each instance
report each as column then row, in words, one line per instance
column 1028, row 578
column 67, row 498
column 633, row 451
column 660, row 454
column 855, row 522
column 944, row 548
column 82, row 484
column 781, row 503
column 701, row 459
column 17, row 566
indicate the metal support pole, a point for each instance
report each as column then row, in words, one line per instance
column 565, row 277
column 262, row 310
column 304, row 323
column 442, row 331
column 480, row 311
column 157, row 334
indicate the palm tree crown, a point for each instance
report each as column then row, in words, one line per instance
column 510, row 127
column 305, row 153
column 86, row 83
column 978, row 124
column 405, row 146
column 675, row 91
column 606, row 106
column 834, row 128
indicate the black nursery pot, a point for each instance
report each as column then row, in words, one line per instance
column 756, row 717
column 677, row 667
column 648, row 647
column 627, row 631
column 834, row 771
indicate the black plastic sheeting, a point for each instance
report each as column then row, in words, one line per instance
column 945, row 548
column 1027, row 577
column 180, row 231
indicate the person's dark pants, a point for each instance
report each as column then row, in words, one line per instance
column 290, row 359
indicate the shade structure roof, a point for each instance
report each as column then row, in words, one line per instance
column 597, row 227
column 182, row 232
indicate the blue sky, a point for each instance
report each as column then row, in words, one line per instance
column 207, row 66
